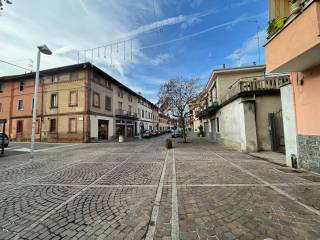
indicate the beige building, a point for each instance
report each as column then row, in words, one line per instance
column 77, row 103
column 240, row 104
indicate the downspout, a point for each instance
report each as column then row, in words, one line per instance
column 11, row 109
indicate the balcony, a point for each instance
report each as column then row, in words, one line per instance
column 296, row 46
column 250, row 87
column 125, row 114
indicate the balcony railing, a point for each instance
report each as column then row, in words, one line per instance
column 254, row 86
column 125, row 114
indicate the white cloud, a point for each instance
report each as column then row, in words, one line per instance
column 249, row 51
column 160, row 59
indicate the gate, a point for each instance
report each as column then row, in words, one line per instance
column 276, row 132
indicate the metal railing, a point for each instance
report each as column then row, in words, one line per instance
column 124, row 113
column 266, row 84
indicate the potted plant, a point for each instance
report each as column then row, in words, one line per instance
column 295, row 6
column 275, row 25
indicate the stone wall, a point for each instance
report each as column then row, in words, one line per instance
column 309, row 152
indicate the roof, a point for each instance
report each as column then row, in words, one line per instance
column 233, row 70
column 68, row 68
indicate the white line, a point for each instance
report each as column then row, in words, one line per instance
column 275, row 188
column 44, row 217
column 90, row 186
column 57, row 147
column 156, row 205
column 248, row 185
column 175, row 232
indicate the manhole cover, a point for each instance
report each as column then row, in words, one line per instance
column 312, row 178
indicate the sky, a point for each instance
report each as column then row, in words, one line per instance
column 142, row 43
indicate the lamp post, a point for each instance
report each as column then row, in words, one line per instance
column 45, row 50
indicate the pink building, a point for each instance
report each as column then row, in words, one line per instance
column 294, row 47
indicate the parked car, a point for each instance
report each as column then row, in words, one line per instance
column 177, row 133
column 6, row 140
column 146, row 134
column 154, row 133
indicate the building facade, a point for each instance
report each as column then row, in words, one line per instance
column 295, row 47
column 240, row 102
column 77, row 103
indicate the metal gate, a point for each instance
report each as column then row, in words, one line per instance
column 276, row 132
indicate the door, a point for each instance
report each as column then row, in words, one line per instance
column 276, row 132
column 129, row 131
column 103, row 126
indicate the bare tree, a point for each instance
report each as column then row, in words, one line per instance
column 177, row 94
column 5, row 1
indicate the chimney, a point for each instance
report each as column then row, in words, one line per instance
column 223, row 66
column 254, row 63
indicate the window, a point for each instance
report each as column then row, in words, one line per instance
column 20, row 105
column 96, row 100
column 142, row 113
column 130, row 109
column 21, row 85
column 1, row 87
column 107, row 83
column 120, row 94
column 53, row 125
column 72, row 125
column 108, row 103
column 120, row 105
column 37, row 127
column 54, row 100
column 139, row 112
column 1, row 109
column 19, row 126
column 73, row 98
column 218, row 124
column 55, row 78
column 129, row 98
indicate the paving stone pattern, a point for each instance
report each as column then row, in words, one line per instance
column 108, row 191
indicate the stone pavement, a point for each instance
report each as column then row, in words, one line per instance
column 138, row 190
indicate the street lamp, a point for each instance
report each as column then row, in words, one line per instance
column 45, row 50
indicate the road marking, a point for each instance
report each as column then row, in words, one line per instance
column 156, row 205
column 174, row 214
column 57, row 147
column 275, row 188
column 85, row 185
column 247, row 185
column 44, row 217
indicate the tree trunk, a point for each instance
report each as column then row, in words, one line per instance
column 184, row 130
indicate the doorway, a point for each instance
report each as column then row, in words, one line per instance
column 277, row 132
column 103, row 126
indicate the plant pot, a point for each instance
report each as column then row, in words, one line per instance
column 295, row 7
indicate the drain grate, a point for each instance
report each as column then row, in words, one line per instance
column 312, row 178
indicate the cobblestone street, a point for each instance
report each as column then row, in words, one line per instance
column 139, row 190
